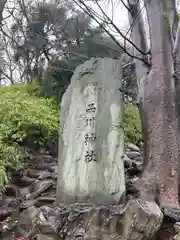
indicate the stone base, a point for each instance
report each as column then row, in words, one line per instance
column 137, row 220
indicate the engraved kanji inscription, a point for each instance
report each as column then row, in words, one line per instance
column 91, row 108
column 90, row 121
column 90, row 156
column 89, row 138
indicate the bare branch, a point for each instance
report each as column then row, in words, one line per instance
column 87, row 10
column 118, row 30
column 126, row 6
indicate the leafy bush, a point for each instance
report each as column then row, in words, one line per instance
column 26, row 122
column 131, row 123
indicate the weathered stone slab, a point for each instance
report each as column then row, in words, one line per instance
column 91, row 143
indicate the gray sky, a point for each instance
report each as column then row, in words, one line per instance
column 117, row 12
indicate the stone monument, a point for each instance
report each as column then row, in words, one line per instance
column 91, row 145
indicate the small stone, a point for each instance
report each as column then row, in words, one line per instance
column 177, row 237
column 44, row 201
column 132, row 154
column 138, row 159
column 53, row 168
column 24, row 181
column 55, row 173
column 26, row 218
column 177, row 227
column 44, row 158
column 39, row 187
column 34, row 173
column 24, row 191
column 127, row 162
column 45, row 166
column 133, row 180
column 45, row 175
column 133, row 147
column 45, row 237
column 28, row 203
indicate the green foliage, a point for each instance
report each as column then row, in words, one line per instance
column 26, row 121
column 55, row 40
column 131, row 123
column 56, row 77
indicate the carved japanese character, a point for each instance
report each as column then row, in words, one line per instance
column 92, row 137
column 90, row 156
column 91, row 108
column 89, row 138
column 86, row 140
column 90, row 121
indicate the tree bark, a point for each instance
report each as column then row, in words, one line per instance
column 176, row 58
column 160, row 179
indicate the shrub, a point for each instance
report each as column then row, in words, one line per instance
column 131, row 123
column 26, row 122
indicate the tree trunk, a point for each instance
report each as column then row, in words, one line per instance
column 160, row 179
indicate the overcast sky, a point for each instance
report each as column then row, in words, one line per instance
column 117, row 12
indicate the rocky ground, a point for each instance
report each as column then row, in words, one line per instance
column 35, row 188
column 133, row 163
column 28, row 210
